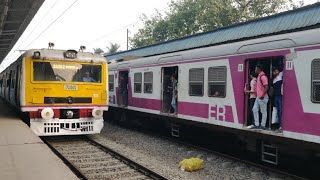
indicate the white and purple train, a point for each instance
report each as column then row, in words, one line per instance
column 212, row 78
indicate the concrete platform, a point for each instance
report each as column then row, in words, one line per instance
column 23, row 155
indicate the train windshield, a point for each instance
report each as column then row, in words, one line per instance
column 69, row 72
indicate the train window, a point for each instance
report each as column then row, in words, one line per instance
column 111, row 82
column 137, row 82
column 217, row 81
column 315, row 77
column 68, row 72
column 147, row 84
column 196, row 78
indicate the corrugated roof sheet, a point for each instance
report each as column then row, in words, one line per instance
column 305, row 17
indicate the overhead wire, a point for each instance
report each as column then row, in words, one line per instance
column 122, row 28
column 43, row 17
column 52, row 23
column 99, row 38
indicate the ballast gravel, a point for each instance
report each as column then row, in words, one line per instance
column 163, row 157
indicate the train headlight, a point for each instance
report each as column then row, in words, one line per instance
column 47, row 113
column 97, row 113
column 71, row 54
column 36, row 55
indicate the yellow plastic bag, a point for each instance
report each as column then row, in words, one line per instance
column 192, row 164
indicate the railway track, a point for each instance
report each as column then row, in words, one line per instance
column 91, row 160
column 237, row 159
column 252, row 163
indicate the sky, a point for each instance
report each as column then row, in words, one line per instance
column 95, row 23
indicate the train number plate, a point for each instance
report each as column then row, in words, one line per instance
column 69, row 87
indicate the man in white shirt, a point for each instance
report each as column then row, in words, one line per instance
column 88, row 78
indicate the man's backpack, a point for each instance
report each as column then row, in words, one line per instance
column 270, row 90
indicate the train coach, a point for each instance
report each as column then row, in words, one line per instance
column 59, row 92
column 212, row 70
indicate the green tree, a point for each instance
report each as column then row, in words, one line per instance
column 97, row 51
column 113, row 48
column 187, row 17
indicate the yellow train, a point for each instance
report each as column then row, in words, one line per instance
column 60, row 92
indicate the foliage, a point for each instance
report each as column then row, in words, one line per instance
column 113, row 48
column 187, row 17
column 97, row 51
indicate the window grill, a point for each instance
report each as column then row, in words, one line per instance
column 217, row 77
column 148, row 81
column 196, row 78
column 137, row 82
column 315, row 78
column 111, row 82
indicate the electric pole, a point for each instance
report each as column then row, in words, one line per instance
column 127, row 39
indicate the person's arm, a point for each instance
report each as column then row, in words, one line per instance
column 265, row 85
column 251, row 88
column 93, row 80
column 266, row 88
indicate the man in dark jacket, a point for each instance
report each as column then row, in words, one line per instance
column 277, row 86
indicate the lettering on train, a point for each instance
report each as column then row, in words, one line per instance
column 221, row 113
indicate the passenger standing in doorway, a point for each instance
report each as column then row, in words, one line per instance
column 261, row 100
column 123, row 90
column 277, row 86
column 174, row 93
column 253, row 96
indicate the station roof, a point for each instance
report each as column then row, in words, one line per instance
column 294, row 20
column 15, row 16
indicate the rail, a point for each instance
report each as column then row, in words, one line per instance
column 89, row 159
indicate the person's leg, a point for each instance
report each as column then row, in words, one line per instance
column 173, row 104
column 251, row 116
column 121, row 98
column 278, row 100
column 125, row 98
column 263, row 108
column 255, row 111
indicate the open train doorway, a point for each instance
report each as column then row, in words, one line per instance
column 268, row 64
column 169, row 98
column 123, row 88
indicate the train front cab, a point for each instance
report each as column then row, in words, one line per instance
column 59, row 101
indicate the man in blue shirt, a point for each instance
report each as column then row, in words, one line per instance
column 88, row 78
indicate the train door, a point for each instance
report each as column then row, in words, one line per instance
column 1, row 83
column 268, row 63
column 168, row 90
column 5, row 80
column 123, row 88
column 17, row 86
column 13, row 87
column 9, row 85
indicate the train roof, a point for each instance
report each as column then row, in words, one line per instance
column 56, row 54
column 307, row 17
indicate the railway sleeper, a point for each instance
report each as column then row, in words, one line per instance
column 99, row 162
column 115, row 175
column 93, row 160
column 104, row 167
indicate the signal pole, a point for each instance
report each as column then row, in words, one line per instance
column 127, row 39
